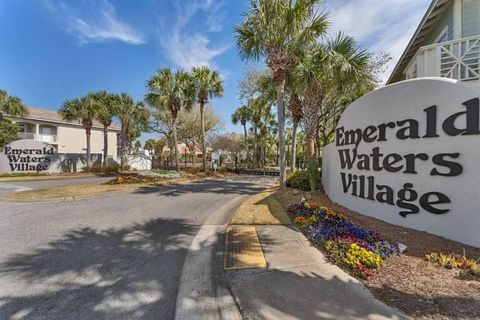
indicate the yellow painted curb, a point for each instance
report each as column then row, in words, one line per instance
column 242, row 249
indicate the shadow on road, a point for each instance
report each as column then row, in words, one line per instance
column 204, row 186
column 129, row 273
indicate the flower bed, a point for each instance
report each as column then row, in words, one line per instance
column 127, row 179
column 164, row 174
column 352, row 247
column 455, row 261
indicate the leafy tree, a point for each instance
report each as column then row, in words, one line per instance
column 229, row 143
column 11, row 105
column 82, row 109
column 208, row 85
column 171, row 92
column 188, row 126
column 8, row 132
column 133, row 118
column 105, row 104
column 278, row 29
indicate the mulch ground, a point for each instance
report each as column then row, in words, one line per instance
column 409, row 282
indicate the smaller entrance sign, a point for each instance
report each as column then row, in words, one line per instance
column 27, row 156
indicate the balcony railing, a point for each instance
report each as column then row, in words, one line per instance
column 27, row 135
column 38, row 137
column 456, row 59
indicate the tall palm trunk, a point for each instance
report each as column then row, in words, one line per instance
column 105, row 144
column 255, row 154
column 204, row 149
column 311, row 118
column 281, row 133
column 88, row 134
column 175, row 141
column 123, row 146
column 312, row 160
column 246, row 138
column 293, row 162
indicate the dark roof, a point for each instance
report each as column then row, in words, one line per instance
column 431, row 17
column 54, row 116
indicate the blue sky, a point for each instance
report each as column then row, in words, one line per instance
column 52, row 50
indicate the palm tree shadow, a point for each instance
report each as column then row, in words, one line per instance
column 89, row 274
column 216, row 186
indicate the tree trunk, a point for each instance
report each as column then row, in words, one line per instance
column 88, row 133
column 312, row 160
column 175, row 141
column 123, row 147
column 255, row 154
column 281, row 134
column 105, row 145
column 204, row 149
column 294, row 146
column 246, row 138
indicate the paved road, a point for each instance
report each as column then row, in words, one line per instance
column 39, row 184
column 114, row 257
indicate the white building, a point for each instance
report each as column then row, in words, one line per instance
column 445, row 44
column 68, row 137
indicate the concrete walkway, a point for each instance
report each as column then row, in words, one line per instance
column 300, row 284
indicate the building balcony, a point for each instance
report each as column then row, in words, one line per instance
column 456, row 59
column 27, row 135
column 38, row 137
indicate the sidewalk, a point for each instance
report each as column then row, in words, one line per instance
column 300, row 284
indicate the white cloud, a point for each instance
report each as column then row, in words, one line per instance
column 187, row 41
column 382, row 26
column 95, row 21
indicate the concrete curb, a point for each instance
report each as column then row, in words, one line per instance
column 201, row 293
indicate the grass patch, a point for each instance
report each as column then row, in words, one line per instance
column 13, row 178
column 68, row 192
column 260, row 209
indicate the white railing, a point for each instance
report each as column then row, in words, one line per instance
column 47, row 138
column 38, row 137
column 27, row 135
column 456, row 59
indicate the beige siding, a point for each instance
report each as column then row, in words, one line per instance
column 73, row 140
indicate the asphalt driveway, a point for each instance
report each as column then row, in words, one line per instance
column 112, row 257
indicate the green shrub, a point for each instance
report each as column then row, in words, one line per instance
column 111, row 168
column 299, row 180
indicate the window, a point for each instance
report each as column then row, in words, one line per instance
column 443, row 36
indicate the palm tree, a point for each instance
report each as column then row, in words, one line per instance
column 105, row 104
column 242, row 115
column 150, row 146
column 170, row 92
column 277, row 29
column 133, row 116
column 208, row 84
column 295, row 107
column 259, row 107
column 330, row 68
column 81, row 109
column 11, row 105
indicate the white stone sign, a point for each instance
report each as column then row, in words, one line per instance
column 409, row 154
column 27, row 156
